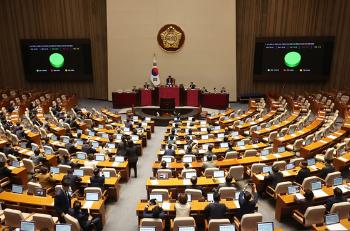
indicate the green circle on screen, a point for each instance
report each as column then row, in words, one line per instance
column 56, row 60
column 292, row 59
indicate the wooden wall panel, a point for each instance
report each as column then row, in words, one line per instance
column 51, row 19
column 265, row 18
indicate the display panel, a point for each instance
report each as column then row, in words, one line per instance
column 57, row 59
column 293, row 58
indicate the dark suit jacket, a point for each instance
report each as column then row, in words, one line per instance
column 215, row 211
column 87, row 149
column 169, row 152
column 327, row 169
column 247, row 206
column 131, row 154
column 333, row 200
column 97, row 181
column 5, row 172
column 74, row 181
column 302, row 174
column 82, row 217
column 71, row 148
column 273, row 179
column 62, row 202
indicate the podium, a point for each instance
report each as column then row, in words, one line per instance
column 192, row 96
column 123, row 99
column 146, row 97
column 170, row 92
column 215, row 100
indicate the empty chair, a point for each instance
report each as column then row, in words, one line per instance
column 171, row 157
column 209, row 172
column 164, row 173
column 32, row 186
column 3, row 157
column 88, row 171
column 214, row 224
column 231, row 155
column 251, row 152
column 184, row 171
column 280, row 164
column 283, row 132
column 196, row 194
column 227, row 192
column 251, row 130
column 328, row 155
column 157, row 223
column 248, row 221
column 313, row 215
column 308, row 180
column 94, row 190
column 190, row 156
column 163, row 192
column 12, row 157
column 63, row 168
column 281, row 188
column 330, row 178
column 308, row 140
column 296, row 146
column 73, row 222
column 46, row 147
column 183, row 222
column 256, row 168
column 44, row 221
column 112, row 171
column 13, row 217
column 297, row 161
column 237, row 172
column 63, row 152
column 271, row 137
column 29, row 165
column 342, row 209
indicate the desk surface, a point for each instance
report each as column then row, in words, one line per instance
column 343, row 222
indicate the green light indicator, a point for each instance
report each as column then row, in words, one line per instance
column 56, row 60
column 292, row 59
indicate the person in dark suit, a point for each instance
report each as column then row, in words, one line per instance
column 303, row 173
column 209, row 163
column 96, row 180
column 194, row 184
column 228, row 182
column 308, row 202
column 274, row 178
column 83, row 217
column 8, row 149
column 62, row 201
column 192, row 85
column 87, row 148
column 170, row 81
column 131, row 154
column 337, row 198
column 4, row 171
column 169, row 151
column 215, row 210
column 210, row 151
column 328, row 168
column 70, row 147
column 247, row 201
column 73, row 181
column 156, row 212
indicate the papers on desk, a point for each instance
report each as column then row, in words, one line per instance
column 181, row 151
column 332, row 137
column 313, row 167
column 260, row 177
column 220, row 180
column 322, row 141
column 186, row 181
column 263, row 158
column 236, row 203
column 255, row 146
column 286, row 173
column 166, row 205
column 277, row 155
column 293, row 135
column 299, row 197
column 319, row 193
column 343, row 188
column 11, row 167
column 252, row 122
column 88, row 204
column 336, row 227
column 343, row 159
column 115, row 164
column 154, row 182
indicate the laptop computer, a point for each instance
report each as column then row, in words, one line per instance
column 65, row 140
column 311, row 162
column 99, row 157
column 205, row 137
column 293, row 189
column 226, row 228
column 167, row 159
column 78, row 172
column 110, row 145
column 104, row 135
column 264, row 152
column 186, row 228
column 15, row 163
column 281, row 149
column 316, row 185
column 217, row 128
column 27, row 226
column 189, row 175
column 91, row 133
column 224, row 145
column 240, row 143
column 187, row 159
column 54, row 170
column 265, row 226
column 267, row 169
column 100, row 126
column 135, row 118
column 337, row 181
column 147, row 228
column 54, row 138
column 17, row 188
column 234, row 133
column 210, row 197
column 119, row 159
column 40, row 192
column 157, row 197
column 205, row 146
column 219, row 174
column 118, row 136
column 79, row 142
column 126, row 129
column 331, row 219
column 23, row 145
column 91, row 196
column 95, row 144
column 47, row 151
column 134, row 137
column 79, row 131
column 81, row 156
column 290, row 166
column 221, row 135
column 106, row 174
column 63, row 227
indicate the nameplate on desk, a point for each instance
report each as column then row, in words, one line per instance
column 220, row 180
column 332, row 137
column 166, row 205
column 186, row 182
column 343, row 159
column 293, row 135
column 313, row 167
column 299, row 197
column 154, row 182
column 343, row 188
column 255, row 145
column 337, row 227
column 252, row 123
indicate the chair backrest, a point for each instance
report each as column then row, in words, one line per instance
column 314, row 215
column 342, row 209
column 298, row 144
column 29, row 165
column 13, row 217
column 308, row 180
column 196, row 194
column 88, row 171
column 183, row 172
column 297, row 161
column 73, row 222
column 164, row 173
column 282, row 188
column 231, row 155
column 43, row 221
column 32, row 186
column 93, row 190
column 163, row 192
column 63, row 152
column 281, row 164
column 257, row 168
column 249, row 221
column 329, row 153
column 237, row 172
column 49, row 147
column 209, row 172
column 152, row 222
column 3, row 156
column 272, row 136
column 190, row 156
column 112, row 171
column 330, row 178
column 184, row 221
column 64, row 168
column 227, row 192
column 251, row 152
column 214, row 224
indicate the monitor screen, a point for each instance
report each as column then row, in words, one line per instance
column 57, row 59
column 54, row 138
column 147, row 228
column 226, row 228
column 79, row 131
column 65, row 140
column 293, row 189
column 100, row 126
column 316, row 185
column 264, row 152
column 40, row 192
column 157, row 197
column 81, row 156
column 17, row 188
column 78, row 172
column 311, row 162
column 267, row 169
column 210, row 197
column 91, row 196
column 186, row 228
column 134, row 137
column 224, row 145
column 290, row 166
column 27, row 226
column 234, row 133
column 104, row 135
column 23, row 145
column 293, row 58
column 34, row 148
column 54, row 170
column 110, row 145
column 118, row 136
column 189, row 175
column 221, row 135
column 91, row 133
column 15, row 164
column 205, row 137
column 240, row 143
column 95, row 144
column 331, row 219
column 204, row 129
column 205, row 146
column 281, row 149
column 219, row 174
column 167, row 159
column 80, row 142
column 119, row 159
column 63, row 227
column 126, row 129
column 337, row 181
column 265, row 226
column 47, row 151
column 187, row 159
column 99, row 157
column 106, row 174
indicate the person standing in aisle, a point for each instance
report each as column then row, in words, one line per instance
column 131, row 155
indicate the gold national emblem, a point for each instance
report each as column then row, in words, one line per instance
column 171, row 37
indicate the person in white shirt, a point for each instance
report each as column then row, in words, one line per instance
column 90, row 162
column 182, row 208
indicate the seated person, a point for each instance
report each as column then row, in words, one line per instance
column 8, row 149
column 37, row 158
column 70, row 146
column 90, row 162
column 215, row 210
column 303, row 173
column 209, row 163
column 192, row 85
column 87, row 148
column 73, row 180
column 86, row 222
column 182, row 208
column 169, row 151
column 66, row 160
column 186, row 167
column 338, row 197
column 204, row 90
column 247, row 202
column 156, row 212
column 273, row 179
column 309, row 196
column 328, row 168
column 171, row 139
column 163, row 164
column 45, row 178
column 4, row 171
column 96, row 180
column 210, row 150
column 228, row 182
column 223, row 90
column 194, row 184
